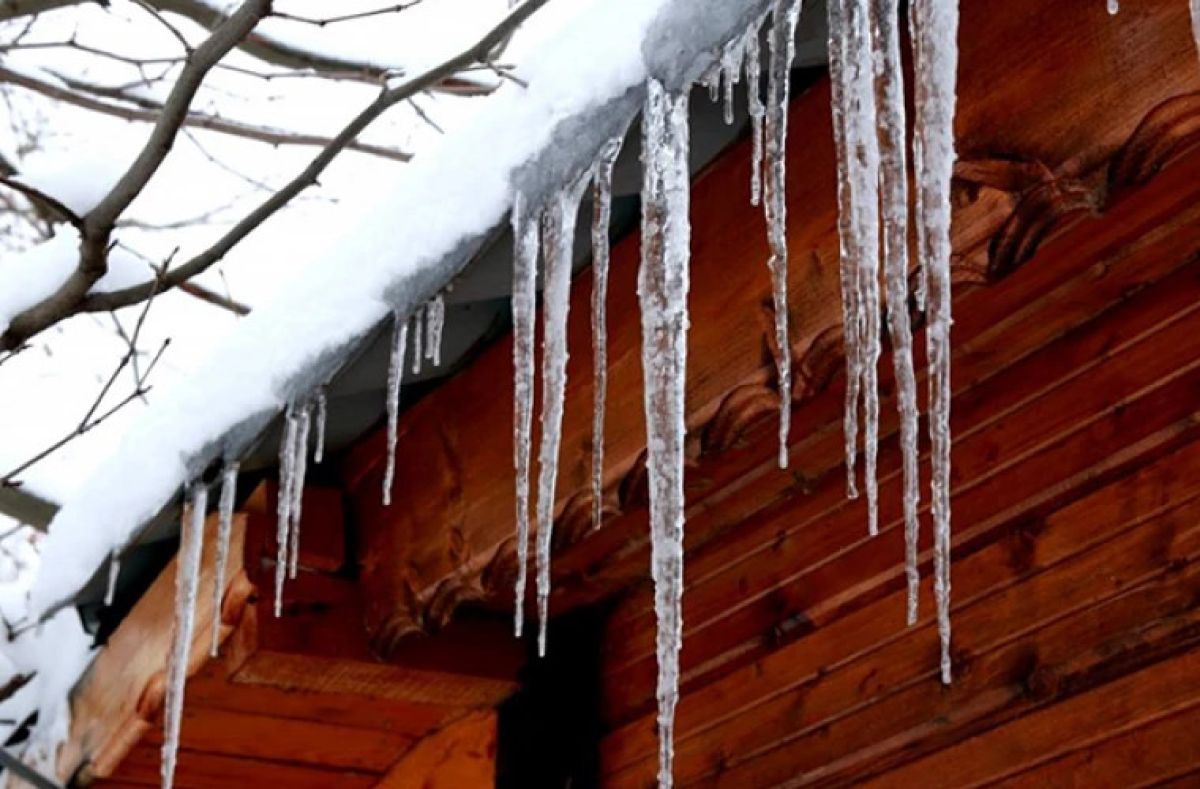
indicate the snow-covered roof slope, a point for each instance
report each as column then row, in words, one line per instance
column 582, row 86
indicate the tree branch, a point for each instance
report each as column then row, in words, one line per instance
column 99, row 98
column 478, row 53
column 36, row 195
column 98, row 225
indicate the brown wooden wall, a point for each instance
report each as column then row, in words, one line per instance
column 1076, row 470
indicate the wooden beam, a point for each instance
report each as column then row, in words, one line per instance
column 462, row 754
column 120, row 697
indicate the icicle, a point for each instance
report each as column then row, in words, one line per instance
column 785, row 15
column 435, row 321
column 757, row 110
column 114, row 572
column 862, row 152
column 418, row 320
column 731, row 69
column 712, row 81
column 602, row 213
column 846, row 242
column 299, row 470
column 187, row 575
column 558, row 241
column 285, row 498
column 395, row 373
column 894, row 205
column 525, row 224
column 1114, row 7
column 662, row 294
column 322, row 413
column 224, row 529
column 935, row 34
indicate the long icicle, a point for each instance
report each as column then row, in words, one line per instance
column 785, row 15
column 299, row 471
column 229, row 477
column 935, row 31
column 894, row 203
column 284, row 500
column 662, row 294
column 525, row 226
column 558, row 242
column 848, row 260
column 187, row 576
column 601, row 216
column 395, row 373
column 863, row 149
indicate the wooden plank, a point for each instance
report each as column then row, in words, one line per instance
column 121, row 694
column 461, row 755
column 1163, row 749
column 1027, row 549
column 1010, row 470
column 264, row 736
column 1172, row 685
column 1085, row 650
column 846, row 711
column 211, row 688
column 198, row 770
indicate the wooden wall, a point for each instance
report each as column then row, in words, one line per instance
column 1076, row 503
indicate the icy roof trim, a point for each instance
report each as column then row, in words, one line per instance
column 590, row 76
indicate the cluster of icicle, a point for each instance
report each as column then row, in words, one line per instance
column 874, row 223
column 869, row 130
column 550, row 229
column 298, row 427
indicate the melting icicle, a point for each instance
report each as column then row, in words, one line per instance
column 846, row 242
column 894, row 204
column 757, row 110
column 285, row 499
column 935, row 34
column 114, row 572
column 435, row 321
column 299, row 470
column 395, row 373
column 662, row 294
column 1114, row 7
column 862, row 148
column 602, row 214
column 525, row 223
column 559, row 241
column 418, row 320
column 785, row 15
column 322, row 414
column 731, row 69
column 224, row 529
column 187, row 576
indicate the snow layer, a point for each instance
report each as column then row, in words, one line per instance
column 279, row 351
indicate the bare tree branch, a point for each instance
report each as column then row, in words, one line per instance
column 330, row 20
column 73, row 296
column 99, row 222
column 99, row 98
column 38, row 196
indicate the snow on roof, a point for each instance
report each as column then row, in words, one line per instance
column 585, row 82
